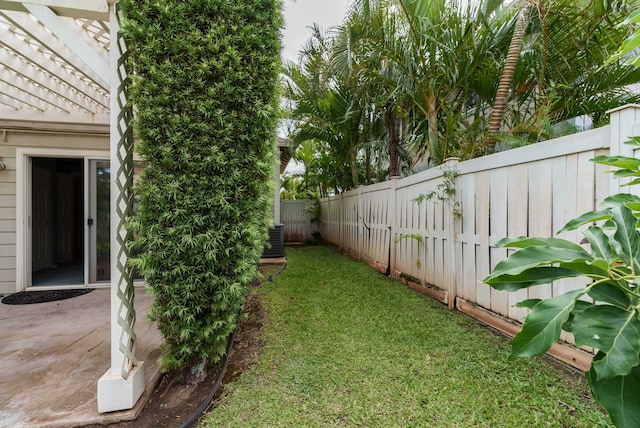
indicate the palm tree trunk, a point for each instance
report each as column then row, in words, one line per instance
column 432, row 122
column 368, row 164
column 392, row 135
column 354, row 166
column 504, row 85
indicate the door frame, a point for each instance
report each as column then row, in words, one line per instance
column 23, row 208
column 91, row 207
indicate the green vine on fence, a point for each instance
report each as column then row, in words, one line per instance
column 444, row 192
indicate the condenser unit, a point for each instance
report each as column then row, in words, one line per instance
column 275, row 248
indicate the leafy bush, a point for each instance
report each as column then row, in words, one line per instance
column 605, row 314
column 204, row 89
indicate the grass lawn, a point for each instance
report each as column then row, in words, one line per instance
column 346, row 346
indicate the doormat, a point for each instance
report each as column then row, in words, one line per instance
column 43, row 296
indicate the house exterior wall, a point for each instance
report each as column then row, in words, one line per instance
column 8, row 220
column 14, row 138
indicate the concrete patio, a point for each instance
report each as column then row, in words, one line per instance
column 52, row 355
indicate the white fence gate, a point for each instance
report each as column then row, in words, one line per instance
column 297, row 220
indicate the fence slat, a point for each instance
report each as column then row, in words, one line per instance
column 498, row 230
column 517, row 213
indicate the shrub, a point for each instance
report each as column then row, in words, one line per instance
column 204, row 90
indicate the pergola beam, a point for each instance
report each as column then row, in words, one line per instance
column 38, row 33
column 53, row 120
column 60, row 73
column 89, row 9
column 23, row 96
column 12, row 103
column 38, row 92
column 47, row 65
column 69, row 38
column 22, row 68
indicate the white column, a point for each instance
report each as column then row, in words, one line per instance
column 276, row 192
column 123, row 384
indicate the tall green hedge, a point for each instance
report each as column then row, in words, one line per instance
column 205, row 97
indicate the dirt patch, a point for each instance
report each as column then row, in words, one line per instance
column 172, row 402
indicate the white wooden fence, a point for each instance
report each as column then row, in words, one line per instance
column 297, row 220
column 529, row 191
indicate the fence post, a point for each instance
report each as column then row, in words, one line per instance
column 340, row 220
column 359, row 227
column 625, row 123
column 307, row 218
column 452, row 230
column 393, row 224
column 329, row 231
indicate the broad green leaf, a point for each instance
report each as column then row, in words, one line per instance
column 588, row 217
column 608, row 293
column 542, row 326
column 623, row 173
column 530, row 277
column 596, row 269
column 529, row 303
column 622, row 162
column 620, row 396
column 532, row 257
column 626, row 237
column 524, row 242
column 599, row 242
column 620, row 199
column 630, row 44
column 581, row 305
column 634, row 141
column 615, row 333
column 633, row 18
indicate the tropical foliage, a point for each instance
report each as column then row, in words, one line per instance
column 407, row 83
column 605, row 314
column 205, row 91
column 629, row 49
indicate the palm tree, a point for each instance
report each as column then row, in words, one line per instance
column 553, row 71
column 506, row 78
column 427, row 75
column 326, row 108
column 357, row 59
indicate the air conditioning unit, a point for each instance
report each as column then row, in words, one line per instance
column 275, row 249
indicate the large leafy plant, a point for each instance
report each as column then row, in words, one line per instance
column 605, row 314
column 205, row 91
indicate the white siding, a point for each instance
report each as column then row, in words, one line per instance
column 36, row 139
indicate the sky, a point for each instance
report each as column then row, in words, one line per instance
column 301, row 14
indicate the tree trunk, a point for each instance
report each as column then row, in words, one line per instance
column 392, row 135
column 354, row 166
column 432, row 119
column 368, row 164
column 506, row 78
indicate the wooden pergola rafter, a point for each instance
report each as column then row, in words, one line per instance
column 54, row 57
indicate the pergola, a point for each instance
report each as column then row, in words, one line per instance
column 61, row 61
